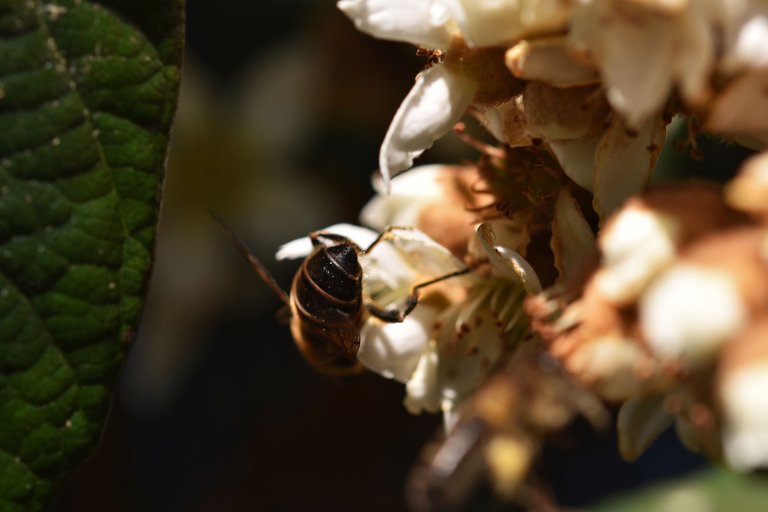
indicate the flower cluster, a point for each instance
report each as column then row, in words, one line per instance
column 671, row 323
column 595, row 80
column 599, row 288
column 462, row 327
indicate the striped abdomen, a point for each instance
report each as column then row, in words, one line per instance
column 327, row 306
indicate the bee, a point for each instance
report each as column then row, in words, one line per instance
column 326, row 303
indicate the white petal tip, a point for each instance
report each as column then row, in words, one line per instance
column 508, row 262
column 302, row 247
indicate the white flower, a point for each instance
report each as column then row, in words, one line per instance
column 435, row 199
column 443, row 92
column 408, row 196
column 643, row 49
column 743, row 395
column 738, row 110
column 711, row 52
column 748, row 191
column 689, row 312
column 635, row 245
column 745, row 34
column 745, row 398
column 456, row 334
column 433, row 23
column 468, row 337
column 593, row 144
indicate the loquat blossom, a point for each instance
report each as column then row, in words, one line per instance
column 436, row 199
column 575, row 77
column 579, row 282
column 459, row 330
column 742, row 381
column 443, row 92
column 670, row 323
column 628, row 39
column 539, row 91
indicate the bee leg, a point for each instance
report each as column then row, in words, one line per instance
column 386, row 235
column 391, row 316
column 395, row 315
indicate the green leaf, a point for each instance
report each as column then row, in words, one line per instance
column 713, row 490
column 87, row 94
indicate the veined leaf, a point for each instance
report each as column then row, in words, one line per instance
column 87, row 94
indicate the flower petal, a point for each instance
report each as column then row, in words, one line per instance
column 550, row 61
column 638, row 43
column 302, row 247
column 506, row 262
column 624, row 161
column 613, row 366
column 572, row 239
column 577, row 158
column 746, row 403
column 425, row 256
column 469, row 346
column 423, row 390
column 565, row 114
column 513, row 234
column 742, row 385
column 393, row 349
column 506, row 122
column 422, row 22
column 636, row 244
column 407, row 195
column 406, row 259
column 495, row 22
column 436, row 102
column 746, row 38
column 689, row 312
column 694, row 59
column 740, row 110
column 748, row 191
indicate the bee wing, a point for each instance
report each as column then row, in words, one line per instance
column 349, row 340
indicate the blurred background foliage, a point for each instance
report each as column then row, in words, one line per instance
column 282, row 109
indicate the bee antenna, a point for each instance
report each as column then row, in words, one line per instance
column 257, row 266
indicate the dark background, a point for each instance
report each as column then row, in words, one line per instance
column 282, row 109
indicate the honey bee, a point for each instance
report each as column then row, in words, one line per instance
column 326, row 303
